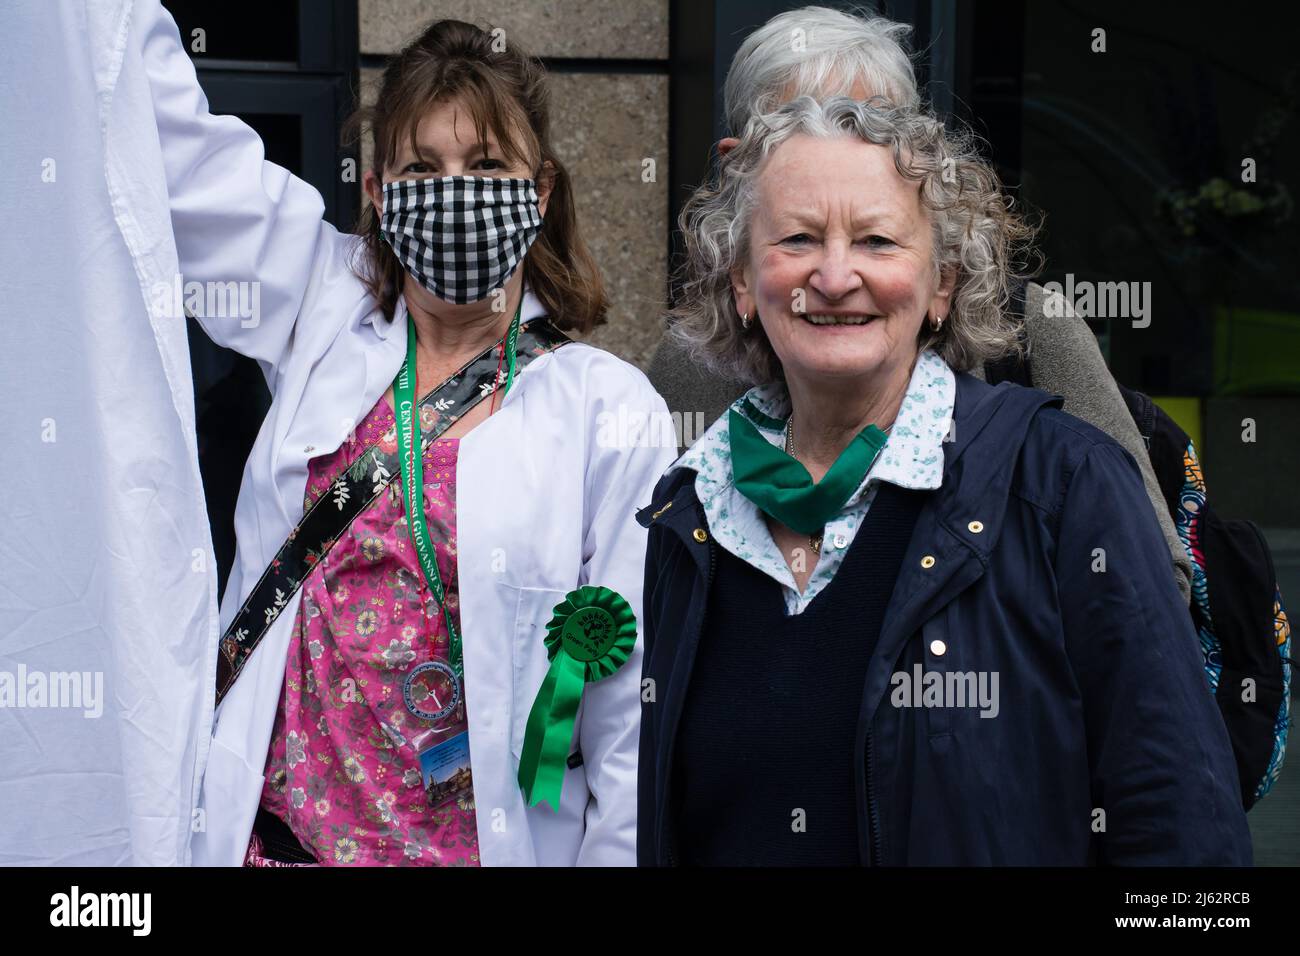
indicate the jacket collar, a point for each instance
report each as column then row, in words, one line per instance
column 975, row 406
column 958, row 528
column 976, row 486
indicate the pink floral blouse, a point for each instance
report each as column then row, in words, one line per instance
column 342, row 770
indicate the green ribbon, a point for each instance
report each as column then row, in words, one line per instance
column 782, row 487
column 590, row 636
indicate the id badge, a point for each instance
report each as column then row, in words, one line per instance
column 432, row 693
column 444, row 768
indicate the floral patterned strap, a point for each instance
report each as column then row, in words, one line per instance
column 354, row 489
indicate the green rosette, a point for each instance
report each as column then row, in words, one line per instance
column 590, row 637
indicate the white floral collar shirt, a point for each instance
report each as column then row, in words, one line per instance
column 912, row 458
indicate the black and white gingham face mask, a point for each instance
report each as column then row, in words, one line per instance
column 461, row 236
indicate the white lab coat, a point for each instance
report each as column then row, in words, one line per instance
column 544, row 502
column 105, row 557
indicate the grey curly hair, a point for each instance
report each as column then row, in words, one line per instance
column 977, row 234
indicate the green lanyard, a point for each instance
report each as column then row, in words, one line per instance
column 413, row 481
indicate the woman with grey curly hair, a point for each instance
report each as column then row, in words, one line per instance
column 893, row 614
column 822, row 52
column 976, row 237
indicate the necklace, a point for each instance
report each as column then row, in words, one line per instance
column 814, row 540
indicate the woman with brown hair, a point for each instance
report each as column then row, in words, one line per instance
column 426, row 658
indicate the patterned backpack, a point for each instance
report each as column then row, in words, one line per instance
column 1236, row 604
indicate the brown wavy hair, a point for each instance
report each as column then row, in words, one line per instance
column 505, row 90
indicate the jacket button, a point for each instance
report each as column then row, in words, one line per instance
column 927, row 561
column 700, row 535
column 975, row 527
column 938, row 648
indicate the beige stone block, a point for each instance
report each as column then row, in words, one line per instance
column 611, row 133
column 627, row 29
column 370, row 80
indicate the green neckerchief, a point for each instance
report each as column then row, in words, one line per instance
column 782, row 487
column 409, row 449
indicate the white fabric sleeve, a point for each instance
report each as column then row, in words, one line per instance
column 236, row 217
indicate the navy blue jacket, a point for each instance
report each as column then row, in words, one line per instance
column 1048, row 568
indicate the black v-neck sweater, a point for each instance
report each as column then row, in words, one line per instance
column 764, row 755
